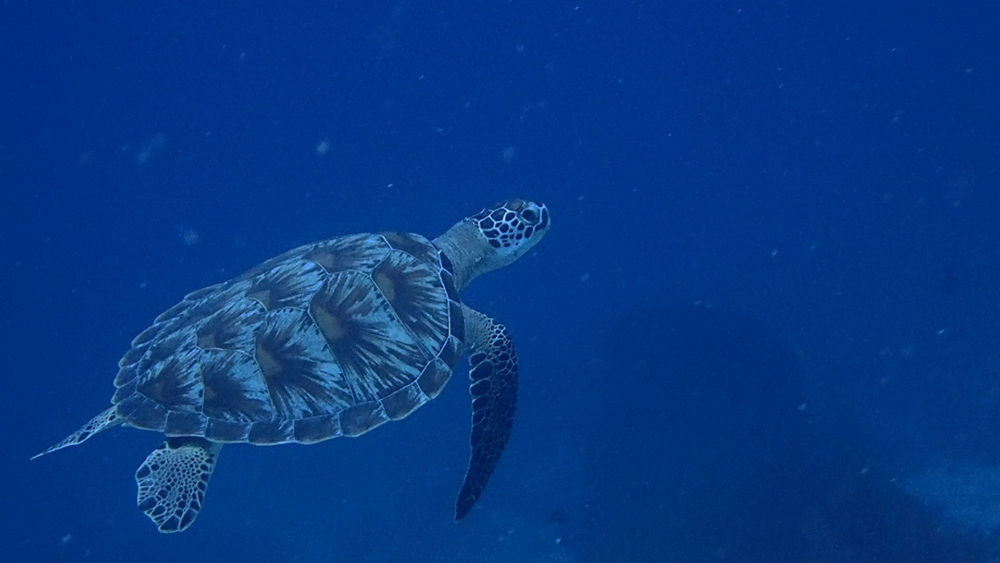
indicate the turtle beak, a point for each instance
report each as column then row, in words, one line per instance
column 543, row 222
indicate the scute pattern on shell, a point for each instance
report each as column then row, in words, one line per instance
column 332, row 338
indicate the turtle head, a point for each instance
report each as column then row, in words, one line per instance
column 511, row 228
column 494, row 237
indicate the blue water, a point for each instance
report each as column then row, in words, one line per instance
column 767, row 306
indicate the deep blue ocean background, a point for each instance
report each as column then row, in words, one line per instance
column 764, row 325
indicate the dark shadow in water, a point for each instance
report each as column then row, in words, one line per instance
column 707, row 450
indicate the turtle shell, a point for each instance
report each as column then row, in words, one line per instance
column 329, row 339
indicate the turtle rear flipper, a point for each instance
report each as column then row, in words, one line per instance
column 173, row 480
column 106, row 419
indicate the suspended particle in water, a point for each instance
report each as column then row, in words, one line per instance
column 188, row 235
column 323, row 147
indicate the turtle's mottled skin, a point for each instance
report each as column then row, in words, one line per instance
column 329, row 339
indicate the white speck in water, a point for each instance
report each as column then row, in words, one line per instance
column 508, row 154
column 151, row 148
column 189, row 236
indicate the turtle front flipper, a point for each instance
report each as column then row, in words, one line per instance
column 106, row 419
column 173, row 479
column 493, row 386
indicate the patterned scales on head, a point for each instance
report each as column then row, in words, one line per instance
column 329, row 339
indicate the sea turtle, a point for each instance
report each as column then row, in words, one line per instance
column 328, row 339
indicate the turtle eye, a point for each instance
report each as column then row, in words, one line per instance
column 530, row 215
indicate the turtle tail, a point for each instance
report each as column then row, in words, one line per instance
column 106, row 419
